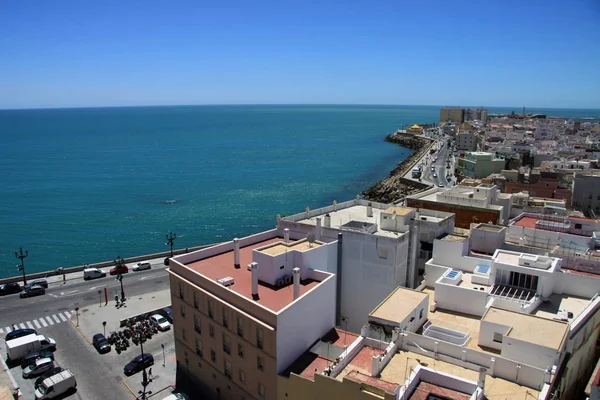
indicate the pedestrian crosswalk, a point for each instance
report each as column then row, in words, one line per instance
column 42, row 322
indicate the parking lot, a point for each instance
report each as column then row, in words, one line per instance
column 101, row 376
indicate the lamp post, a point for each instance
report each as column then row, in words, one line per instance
column 21, row 267
column 163, row 348
column 145, row 381
column 120, row 279
column 77, row 314
column 104, row 327
column 170, row 239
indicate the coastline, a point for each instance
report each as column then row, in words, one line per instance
column 395, row 187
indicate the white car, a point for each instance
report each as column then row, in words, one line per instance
column 142, row 266
column 177, row 396
column 161, row 322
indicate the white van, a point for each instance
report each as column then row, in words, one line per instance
column 93, row 273
column 56, row 385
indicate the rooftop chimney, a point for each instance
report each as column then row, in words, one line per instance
column 318, row 229
column 236, row 253
column 327, row 221
column 369, row 210
column 254, row 269
column 296, row 272
column 286, row 235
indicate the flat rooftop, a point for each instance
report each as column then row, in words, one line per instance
column 357, row 213
column 425, row 391
column 401, row 364
column 452, row 237
column 221, row 266
column 529, row 328
column 280, row 248
column 399, row 210
column 398, row 305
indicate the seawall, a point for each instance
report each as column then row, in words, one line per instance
column 395, row 187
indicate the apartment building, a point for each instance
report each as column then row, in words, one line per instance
column 452, row 114
column 476, row 114
column 466, row 141
column 244, row 310
column 471, row 204
column 586, row 192
column 479, row 164
column 539, row 187
column 522, row 202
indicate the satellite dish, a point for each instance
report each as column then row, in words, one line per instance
column 310, row 238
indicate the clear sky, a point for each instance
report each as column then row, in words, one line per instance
column 542, row 53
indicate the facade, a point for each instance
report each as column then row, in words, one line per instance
column 470, row 204
column 479, row 164
column 476, row 114
column 586, row 192
column 466, row 141
column 452, row 114
column 545, row 187
column 522, row 202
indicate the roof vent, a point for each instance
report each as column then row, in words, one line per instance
column 228, row 281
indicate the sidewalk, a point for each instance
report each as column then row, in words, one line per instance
column 92, row 316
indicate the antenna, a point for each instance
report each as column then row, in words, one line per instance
column 310, row 238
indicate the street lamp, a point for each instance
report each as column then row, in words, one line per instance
column 21, row 267
column 145, row 381
column 120, row 279
column 170, row 239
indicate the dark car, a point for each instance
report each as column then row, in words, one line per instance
column 10, row 288
column 100, row 343
column 30, row 291
column 119, row 269
column 40, row 282
column 48, row 374
column 167, row 312
column 17, row 333
column 31, row 357
column 139, row 363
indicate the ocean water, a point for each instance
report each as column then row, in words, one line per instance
column 87, row 185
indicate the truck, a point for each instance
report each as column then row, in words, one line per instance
column 416, row 172
column 56, row 385
column 20, row 347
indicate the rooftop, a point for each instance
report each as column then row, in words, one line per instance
column 529, row 328
column 454, row 238
column 425, row 390
column 399, row 210
column 398, row 305
column 282, row 247
column 221, row 266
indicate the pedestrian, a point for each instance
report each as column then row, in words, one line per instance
column 14, row 328
column 150, row 373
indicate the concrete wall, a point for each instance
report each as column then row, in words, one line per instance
column 305, row 321
column 577, row 285
column 465, row 215
column 460, row 299
column 486, row 334
column 532, row 354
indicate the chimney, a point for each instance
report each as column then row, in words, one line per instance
column 327, row 221
column 318, row 230
column 254, row 268
column 369, row 210
column 236, row 253
column 481, row 380
column 286, row 235
column 296, row 272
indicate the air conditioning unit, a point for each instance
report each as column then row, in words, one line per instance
column 288, row 279
column 228, row 281
column 280, row 282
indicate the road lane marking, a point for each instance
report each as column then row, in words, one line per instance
column 62, row 317
column 29, row 325
column 56, row 318
column 50, row 320
column 68, row 314
column 23, row 326
column 43, row 321
column 37, row 324
column 1, row 330
column 7, row 329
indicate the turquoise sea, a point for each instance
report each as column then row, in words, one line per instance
column 86, row 185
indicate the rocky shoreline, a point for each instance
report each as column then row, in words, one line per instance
column 395, row 187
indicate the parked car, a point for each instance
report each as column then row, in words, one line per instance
column 40, row 282
column 100, row 343
column 10, row 288
column 32, row 357
column 56, row 385
column 39, row 367
column 435, row 174
column 19, row 333
column 119, row 269
column 141, row 266
column 441, row 185
column 177, row 396
column 139, row 363
column 93, row 273
column 30, row 291
column 167, row 312
column 48, row 374
column 161, row 322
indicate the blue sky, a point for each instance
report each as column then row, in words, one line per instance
column 542, row 53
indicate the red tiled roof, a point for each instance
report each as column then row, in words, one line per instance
column 364, row 358
column 271, row 297
column 424, row 390
column 527, row 222
column 359, row 377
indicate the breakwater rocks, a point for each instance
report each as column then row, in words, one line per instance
column 395, row 187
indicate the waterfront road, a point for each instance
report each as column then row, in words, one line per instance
column 57, row 305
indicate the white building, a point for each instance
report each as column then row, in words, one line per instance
column 466, row 141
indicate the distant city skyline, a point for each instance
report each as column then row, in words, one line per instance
column 541, row 54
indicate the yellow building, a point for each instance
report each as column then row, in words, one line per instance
column 415, row 130
column 452, row 114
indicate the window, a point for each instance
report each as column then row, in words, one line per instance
column 213, row 356
column 240, row 326
column 184, row 334
column 240, row 350
column 211, row 311
column 182, row 311
column 578, row 226
column 226, row 344
column 259, row 338
column 199, row 347
column 211, row 331
column 197, row 326
column 228, row 369
column 497, row 337
column 195, row 300
column 181, row 290
column 242, row 376
column 259, row 363
column 421, row 314
column 261, row 390
column 225, row 318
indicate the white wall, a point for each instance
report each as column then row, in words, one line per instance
column 532, row 354
column 577, row 285
column 460, row 299
column 305, row 321
column 486, row 334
